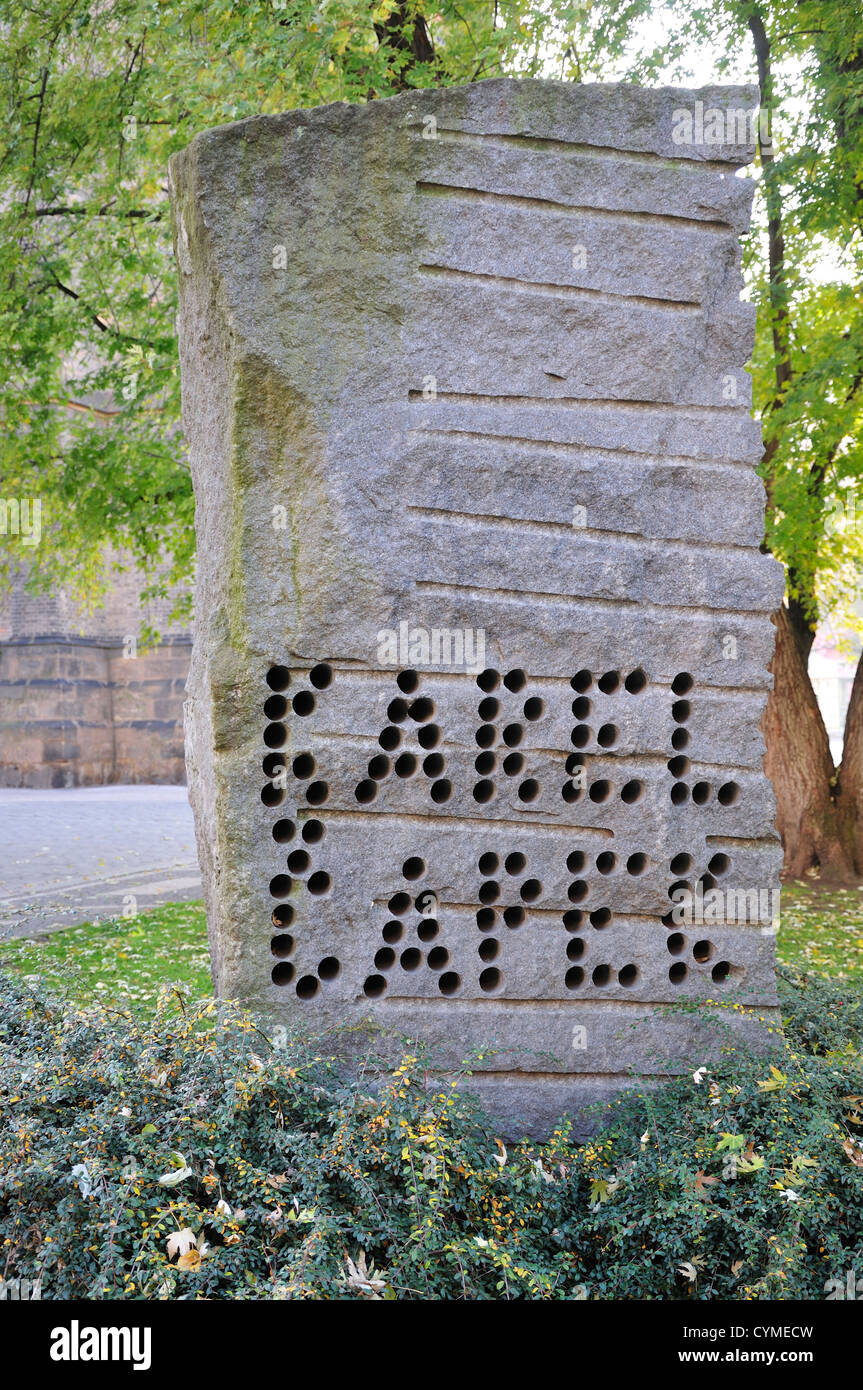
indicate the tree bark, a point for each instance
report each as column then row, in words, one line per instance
column 850, row 777
column 799, row 764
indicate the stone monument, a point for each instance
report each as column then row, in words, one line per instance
column 482, row 620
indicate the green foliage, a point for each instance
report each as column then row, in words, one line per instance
column 164, row 1160
column 95, row 100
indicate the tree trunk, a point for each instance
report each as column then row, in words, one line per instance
column 799, row 765
column 850, row 779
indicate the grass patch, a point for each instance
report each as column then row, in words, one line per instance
column 822, row 931
column 123, row 963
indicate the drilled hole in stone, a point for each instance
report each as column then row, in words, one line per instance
column 280, row 886
column 271, row 795
column 515, row 680
column 393, row 931
column 485, row 763
column 438, row 957
column 680, row 739
column 574, row 977
column 608, row 736
column 283, row 973
column 575, row 948
column 531, row 890
column 449, row 983
column 679, row 766
column 414, row 867
column 577, row 891
column 411, row 959
column 681, row 864
column 680, row 711
column 422, row 709
column 515, row 863
column 580, row 736
column 329, row 968
column 433, row 765
column 298, row 861
column 429, row 736
column 680, row 886
column 307, row 987
column 627, row 976
column 385, row 958
column 601, row 974
column 678, row 972
column 490, row 980
column 707, row 882
column 636, row 863
column 486, row 918
column 390, row 738
column 576, row 861
column 514, row 916
column 573, row 920
column 319, row 883
column 635, row 681
column 275, row 735
column 488, row 680
column 682, row 683
column 582, row 681
column 282, row 946
column 534, row 708
column 486, row 736
column 399, row 904
column 273, row 764
column 489, row 949
column 600, row 918
column 606, row 861
column 728, row 794
column 570, row 792
column 600, row 791
column 427, row 929
column 397, row 710
column 719, row 864
column 321, row 676
column 379, row 767
column 679, row 793
column 366, row 791
column 513, row 764
column 721, row 971
column 631, row 791
column 303, row 766
column 609, row 682
column 529, row 790
column 581, row 707
column 488, row 863
column 701, row 793
column 513, row 735
column 676, row 943
column 702, row 951
column 276, row 707
column 407, row 682
column 278, row 678
column 304, row 703
column 489, row 892
column 405, row 765
column 483, row 791
column 283, row 915
column 374, row 986
column 489, row 708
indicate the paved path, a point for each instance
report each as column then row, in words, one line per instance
column 77, row 854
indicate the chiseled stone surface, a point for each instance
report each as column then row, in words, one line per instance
column 472, row 362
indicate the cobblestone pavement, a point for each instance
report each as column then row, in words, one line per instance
column 77, row 854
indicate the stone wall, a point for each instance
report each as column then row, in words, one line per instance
column 483, row 624
column 79, row 706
